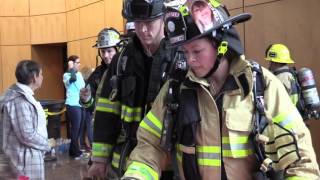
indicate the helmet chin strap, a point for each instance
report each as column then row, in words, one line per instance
column 222, row 49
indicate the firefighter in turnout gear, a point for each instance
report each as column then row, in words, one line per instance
column 108, row 44
column 279, row 57
column 232, row 119
column 129, row 88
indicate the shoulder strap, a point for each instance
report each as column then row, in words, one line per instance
column 281, row 71
column 122, row 62
column 169, row 123
column 260, row 120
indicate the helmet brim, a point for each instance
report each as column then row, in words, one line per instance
column 144, row 18
column 228, row 23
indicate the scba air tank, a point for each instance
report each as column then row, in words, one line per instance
column 308, row 88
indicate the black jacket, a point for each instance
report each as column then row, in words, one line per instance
column 131, row 84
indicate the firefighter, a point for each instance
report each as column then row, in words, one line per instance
column 279, row 57
column 129, row 88
column 108, row 44
column 233, row 119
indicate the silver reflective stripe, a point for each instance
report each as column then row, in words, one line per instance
column 151, row 125
column 106, row 105
column 289, row 118
column 129, row 114
column 236, row 146
column 208, row 155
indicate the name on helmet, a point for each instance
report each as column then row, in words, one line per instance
column 172, row 14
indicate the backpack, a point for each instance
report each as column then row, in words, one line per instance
column 296, row 89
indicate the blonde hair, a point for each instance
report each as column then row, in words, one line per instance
column 86, row 72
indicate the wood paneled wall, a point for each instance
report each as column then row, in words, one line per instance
column 1, row 74
column 38, row 7
column 15, row 30
column 48, row 28
column 14, row 8
column 91, row 19
column 24, row 23
column 10, row 55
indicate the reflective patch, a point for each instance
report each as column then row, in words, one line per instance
column 152, row 124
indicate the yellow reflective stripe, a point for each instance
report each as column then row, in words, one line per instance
column 236, row 146
column 214, row 3
column 296, row 178
column 88, row 104
column 184, row 10
column 237, row 153
column 105, row 105
column 129, row 114
column 152, row 124
column 209, row 162
column 115, row 160
column 208, row 155
column 179, row 156
column 209, row 149
column 101, row 150
column 286, row 119
column 143, row 170
column 294, row 98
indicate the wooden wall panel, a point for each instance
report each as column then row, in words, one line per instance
column 86, row 2
column 256, row 2
column 38, row 7
column 282, row 25
column 10, row 56
column 48, row 28
column 14, row 8
column 73, row 24
column 72, row 4
column 51, row 58
column 233, row 4
column 113, row 16
column 14, row 30
column 1, row 74
column 91, row 19
column 73, row 47
column 88, row 53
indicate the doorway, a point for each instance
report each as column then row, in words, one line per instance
column 53, row 59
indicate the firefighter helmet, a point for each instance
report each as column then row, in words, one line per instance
column 182, row 28
column 278, row 53
column 108, row 37
column 141, row 10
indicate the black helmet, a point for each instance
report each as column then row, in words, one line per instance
column 141, row 10
column 182, row 28
column 108, row 37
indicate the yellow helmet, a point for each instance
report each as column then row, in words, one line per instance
column 278, row 53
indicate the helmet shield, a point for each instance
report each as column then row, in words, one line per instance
column 108, row 37
column 183, row 27
column 142, row 10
